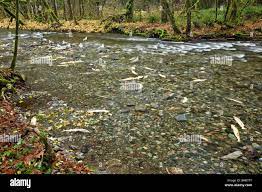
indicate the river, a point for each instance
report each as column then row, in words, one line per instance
column 178, row 118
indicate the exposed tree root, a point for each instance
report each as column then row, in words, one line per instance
column 9, row 80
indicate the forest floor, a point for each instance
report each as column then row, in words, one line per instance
column 24, row 149
column 154, row 30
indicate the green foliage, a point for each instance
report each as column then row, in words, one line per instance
column 252, row 12
column 157, row 33
column 206, row 16
column 153, row 19
column 162, row 33
column 9, row 154
column 20, row 165
column 130, row 10
column 19, row 144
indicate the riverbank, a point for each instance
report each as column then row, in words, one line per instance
column 250, row 30
column 25, row 148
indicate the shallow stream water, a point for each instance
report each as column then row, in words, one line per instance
column 179, row 119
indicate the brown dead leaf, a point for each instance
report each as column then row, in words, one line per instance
column 30, row 157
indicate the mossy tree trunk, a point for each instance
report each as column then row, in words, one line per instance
column 70, row 9
column 233, row 15
column 55, row 8
column 81, row 9
column 216, row 9
column 164, row 18
column 64, row 11
column 227, row 10
column 16, row 35
column 188, row 10
column 170, row 16
column 52, row 13
column 71, row 13
column 231, row 11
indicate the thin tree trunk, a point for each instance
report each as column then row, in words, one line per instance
column 55, row 8
column 227, row 10
column 71, row 14
column 164, row 18
column 234, row 11
column 188, row 9
column 64, row 12
column 80, row 9
column 216, row 9
column 53, row 15
column 16, row 35
column 70, row 9
column 171, row 17
column 83, row 8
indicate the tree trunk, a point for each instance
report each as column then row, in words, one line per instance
column 170, row 16
column 216, row 9
column 227, row 10
column 55, row 8
column 80, row 9
column 16, row 35
column 164, row 18
column 83, row 8
column 70, row 9
column 64, row 11
column 71, row 14
column 53, row 15
column 234, row 10
column 188, row 9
